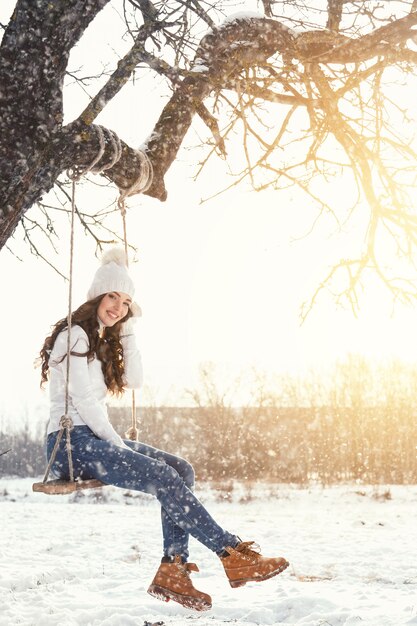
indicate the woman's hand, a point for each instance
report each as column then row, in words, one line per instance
column 128, row 328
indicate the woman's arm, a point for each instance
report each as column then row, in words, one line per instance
column 133, row 375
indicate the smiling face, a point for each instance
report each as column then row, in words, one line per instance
column 113, row 307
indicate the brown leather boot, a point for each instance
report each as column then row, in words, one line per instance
column 244, row 563
column 172, row 582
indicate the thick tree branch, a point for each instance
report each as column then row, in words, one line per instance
column 377, row 43
column 334, row 12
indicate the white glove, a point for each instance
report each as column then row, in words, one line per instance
column 128, row 328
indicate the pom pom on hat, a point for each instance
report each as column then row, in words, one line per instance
column 113, row 275
column 114, row 255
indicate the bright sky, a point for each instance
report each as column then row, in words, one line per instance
column 221, row 281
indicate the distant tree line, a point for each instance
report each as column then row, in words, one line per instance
column 325, row 444
column 358, row 426
column 22, row 454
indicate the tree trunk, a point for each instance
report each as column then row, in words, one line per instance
column 33, row 59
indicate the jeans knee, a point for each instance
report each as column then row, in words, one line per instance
column 177, row 475
column 188, row 474
column 186, row 471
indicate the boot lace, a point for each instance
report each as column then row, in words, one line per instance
column 249, row 550
column 185, row 569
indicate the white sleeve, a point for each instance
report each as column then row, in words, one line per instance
column 80, row 391
column 133, row 375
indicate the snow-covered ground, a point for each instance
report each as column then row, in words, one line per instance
column 69, row 561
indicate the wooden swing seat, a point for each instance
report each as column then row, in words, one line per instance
column 63, row 487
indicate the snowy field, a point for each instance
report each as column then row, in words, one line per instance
column 69, row 561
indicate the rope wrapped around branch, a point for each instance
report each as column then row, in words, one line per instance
column 142, row 182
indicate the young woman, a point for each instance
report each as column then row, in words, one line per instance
column 104, row 358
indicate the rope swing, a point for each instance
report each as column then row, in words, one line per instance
column 141, row 184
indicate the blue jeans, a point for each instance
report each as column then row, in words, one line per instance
column 143, row 468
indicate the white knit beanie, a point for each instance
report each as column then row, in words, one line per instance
column 113, row 275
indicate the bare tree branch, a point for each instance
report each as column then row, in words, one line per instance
column 120, row 77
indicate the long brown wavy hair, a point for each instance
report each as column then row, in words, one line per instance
column 107, row 348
